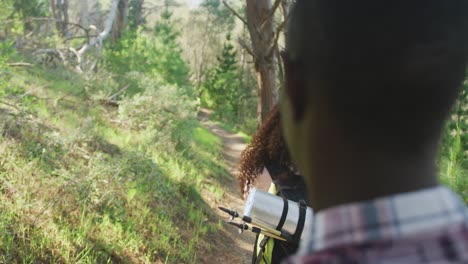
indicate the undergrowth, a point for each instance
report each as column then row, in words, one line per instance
column 84, row 181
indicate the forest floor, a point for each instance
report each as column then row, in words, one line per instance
column 228, row 245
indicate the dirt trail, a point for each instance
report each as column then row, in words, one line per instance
column 228, row 245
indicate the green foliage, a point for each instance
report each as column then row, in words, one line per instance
column 6, row 51
column 157, row 55
column 133, row 9
column 223, row 82
column 225, row 92
column 454, row 153
column 29, row 8
column 25, row 9
column 173, row 68
column 162, row 110
column 7, row 8
column 3, row 75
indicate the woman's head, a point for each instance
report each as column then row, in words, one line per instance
column 267, row 146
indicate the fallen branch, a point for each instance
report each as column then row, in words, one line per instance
column 81, row 37
column 53, row 52
column 112, row 103
column 78, row 59
column 112, row 97
column 20, row 64
column 10, row 105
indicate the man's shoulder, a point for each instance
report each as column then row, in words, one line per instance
column 447, row 247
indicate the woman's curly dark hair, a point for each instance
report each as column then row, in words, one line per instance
column 267, row 147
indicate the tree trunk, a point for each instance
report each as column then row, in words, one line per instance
column 84, row 13
column 63, row 16
column 120, row 20
column 267, row 95
column 260, row 22
column 285, row 4
column 53, row 13
column 138, row 12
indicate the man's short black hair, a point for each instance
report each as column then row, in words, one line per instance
column 388, row 71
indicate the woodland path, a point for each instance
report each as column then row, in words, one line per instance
column 227, row 246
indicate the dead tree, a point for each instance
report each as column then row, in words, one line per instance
column 66, row 54
column 98, row 40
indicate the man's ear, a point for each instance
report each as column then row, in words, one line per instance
column 295, row 86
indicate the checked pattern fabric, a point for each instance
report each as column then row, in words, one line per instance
column 427, row 226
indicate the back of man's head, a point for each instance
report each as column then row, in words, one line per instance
column 386, row 71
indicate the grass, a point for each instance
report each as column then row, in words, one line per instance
column 456, row 177
column 206, row 140
column 453, row 164
column 76, row 186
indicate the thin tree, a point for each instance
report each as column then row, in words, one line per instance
column 84, row 13
column 120, row 20
column 264, row 35
column 136, row 14
column 62, row 10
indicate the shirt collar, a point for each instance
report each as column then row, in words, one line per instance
column 386, row 218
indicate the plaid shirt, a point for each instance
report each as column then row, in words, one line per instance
column 428, row 226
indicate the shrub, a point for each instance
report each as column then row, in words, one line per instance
column 162, row 109
column 6, row 51
column 156, row 53
column 454, row 150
